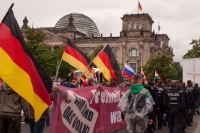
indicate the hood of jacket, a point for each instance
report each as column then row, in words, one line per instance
column 135, row 89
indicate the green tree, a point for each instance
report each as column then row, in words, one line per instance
column 43, row 54
column 163, row 64
column 92, row 55
column 65, row 68
column 195, row 51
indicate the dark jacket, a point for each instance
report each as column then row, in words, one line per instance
column 170, row 97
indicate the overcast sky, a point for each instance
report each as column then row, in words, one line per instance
column 179, row 19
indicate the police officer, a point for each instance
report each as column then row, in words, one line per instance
column 184, row 114
column 167, row 84
column 159, row 103
column 154, row 90
column 151, row 114
column 166, row 87
column 191, row 96
column 174, row 104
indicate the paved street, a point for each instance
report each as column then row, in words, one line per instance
column 165, row 129
column 196, row 126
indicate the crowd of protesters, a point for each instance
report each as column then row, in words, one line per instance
column 174, row 105
column 145, row 107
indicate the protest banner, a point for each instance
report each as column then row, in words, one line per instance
column 87, row 110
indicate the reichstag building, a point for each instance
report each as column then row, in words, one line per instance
column 136, row 43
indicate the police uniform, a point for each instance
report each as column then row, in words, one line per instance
column 174, row 104
column 188, row 106
column 191, row 96
column 151, row 89
column 159, row 105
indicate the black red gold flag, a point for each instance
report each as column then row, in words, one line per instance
column 19, row 69
column 84, row 80
column 139, row 7
column 108, row 65
column 75, row 57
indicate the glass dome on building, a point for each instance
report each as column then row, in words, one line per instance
column 82, row 23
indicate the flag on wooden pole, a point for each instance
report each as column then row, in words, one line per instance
column 75, row 57
column 19, row 69
column 108, row 65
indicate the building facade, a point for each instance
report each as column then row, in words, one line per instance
column 136, row 43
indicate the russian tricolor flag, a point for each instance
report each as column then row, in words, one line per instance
column 128, row 71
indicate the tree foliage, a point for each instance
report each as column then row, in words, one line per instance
column 92, row 55
column 43, row 54
column 163, row 64
column 195, row 51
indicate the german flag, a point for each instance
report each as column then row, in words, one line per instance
column 75, row 57
column 107, row 64
column 74, row 75
column 19, row 69
column 83, row 79
column 139, row 7
column 94, row 74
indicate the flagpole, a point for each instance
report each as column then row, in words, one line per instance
column 12, row 5
column 138, row 8
column 92, row 61
column 58, row 69
column 158, row 27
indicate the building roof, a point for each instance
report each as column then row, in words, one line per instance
column 82, row 23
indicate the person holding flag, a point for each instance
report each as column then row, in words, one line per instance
column 20, row 70
column 11, row 105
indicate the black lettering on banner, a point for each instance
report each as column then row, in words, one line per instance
column 66, row 111
column 77, row 124
column 71, row 118
column 87, row 114
column 86, row 129
column 90, row 116
column 79, row 102
column 76, row 99
column 69, row 114
column 83, row 111
column 73, row 125
column 81, row 105
column 81, row 125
